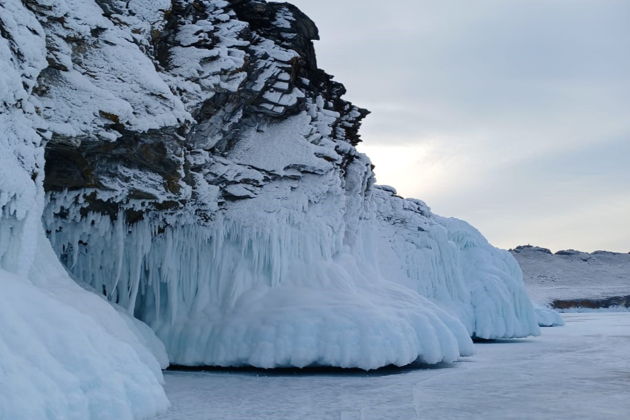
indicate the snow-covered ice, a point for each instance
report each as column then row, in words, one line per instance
column 580, row 371
column 547, row 317
column 572, row 279
column 57, row 362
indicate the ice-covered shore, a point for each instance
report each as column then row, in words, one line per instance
column 193, row 166
column 575, row 372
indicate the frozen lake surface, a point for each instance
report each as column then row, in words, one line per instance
column 579, row 371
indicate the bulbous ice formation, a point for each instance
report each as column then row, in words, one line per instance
column 547, row 317
column 66, row 353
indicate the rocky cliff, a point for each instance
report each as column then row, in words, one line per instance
column 193, row 166
column 152, row 101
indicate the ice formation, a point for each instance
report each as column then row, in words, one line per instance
column 219, row 198
column 285, row 279
column 547, row 317
column 64, row 352
column 201, row 175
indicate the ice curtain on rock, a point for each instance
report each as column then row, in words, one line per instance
column 194, row 167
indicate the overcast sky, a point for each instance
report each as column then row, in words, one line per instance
column 511, row 114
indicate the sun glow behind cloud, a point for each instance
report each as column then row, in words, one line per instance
column 512, row 115
column 411, row 167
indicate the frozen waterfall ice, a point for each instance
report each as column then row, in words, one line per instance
column 315, row 271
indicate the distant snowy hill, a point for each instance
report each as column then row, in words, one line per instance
column 572, row 278
column 193, row 167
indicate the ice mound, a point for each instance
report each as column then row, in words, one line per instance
column 300, row 326
column 501, row 306
column 58, row 363
column 547, row 317
column 65, row 352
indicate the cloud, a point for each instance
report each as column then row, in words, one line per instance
column 507, row 114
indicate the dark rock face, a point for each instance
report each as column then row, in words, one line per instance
column 611, row 302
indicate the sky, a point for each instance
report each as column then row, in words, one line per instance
column 513, row 115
